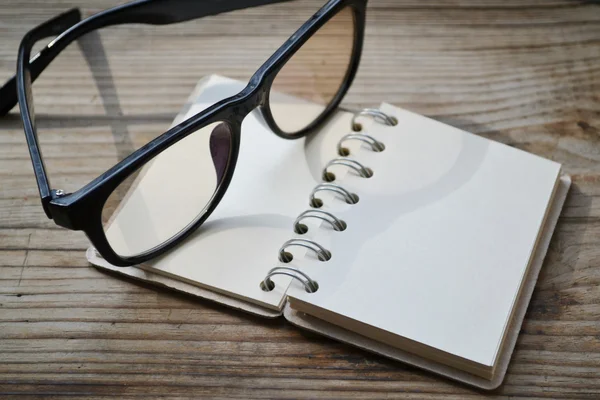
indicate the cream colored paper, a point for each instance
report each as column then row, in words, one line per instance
column 435, row 251
column 437, row 248
column 239, row 243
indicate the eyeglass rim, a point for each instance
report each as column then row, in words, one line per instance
column 81, row 210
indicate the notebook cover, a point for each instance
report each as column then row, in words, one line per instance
column 182, row 287
column 312, row 324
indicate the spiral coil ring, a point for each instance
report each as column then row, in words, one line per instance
column 376, row 145
column 378, row 116
column 360, row 169
column 336, row 223
column 322, row 253
column 350, row 198
column 309, row 285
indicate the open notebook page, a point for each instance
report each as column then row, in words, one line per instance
column 239, row 243
column 437, row 248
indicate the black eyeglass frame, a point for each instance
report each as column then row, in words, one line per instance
column 82, row 210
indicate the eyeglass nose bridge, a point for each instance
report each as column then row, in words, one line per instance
column 249, row 101
column 253, row 100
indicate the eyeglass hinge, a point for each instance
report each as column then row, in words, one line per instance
column 57, row 212
column 54, row 194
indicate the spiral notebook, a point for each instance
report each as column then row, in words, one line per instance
column 411, row 238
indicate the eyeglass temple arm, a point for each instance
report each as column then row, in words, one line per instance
column 53, row 27
column 154, row 12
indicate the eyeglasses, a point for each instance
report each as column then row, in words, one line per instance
column 317, row 65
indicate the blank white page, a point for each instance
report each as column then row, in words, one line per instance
column 238, row 244
column 438, row 246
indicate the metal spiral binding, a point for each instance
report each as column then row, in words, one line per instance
column 309, row 285
column 350, row 198
column 376, row 145
column 336, row 223
column 378, row 116
column 360, row 169
column 322, row 253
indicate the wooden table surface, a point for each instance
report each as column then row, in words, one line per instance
column 525, row 73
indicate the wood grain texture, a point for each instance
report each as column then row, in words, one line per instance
column 525, row 73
